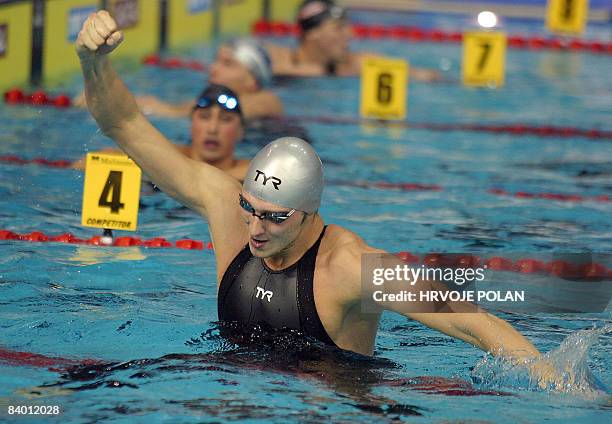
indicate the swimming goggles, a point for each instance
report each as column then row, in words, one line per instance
column 273, row 217
column 225, row 101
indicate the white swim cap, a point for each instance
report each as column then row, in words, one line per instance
column 254, row 56
column 287, row 172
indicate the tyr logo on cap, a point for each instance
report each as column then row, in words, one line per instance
column 275, row 181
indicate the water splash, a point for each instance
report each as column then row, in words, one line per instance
column 568, row 361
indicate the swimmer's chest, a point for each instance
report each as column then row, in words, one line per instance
column 258, row 294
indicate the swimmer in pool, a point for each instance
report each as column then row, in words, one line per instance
column 277, row 262
column 217, row 125
column 324, row 46
column 242, row 65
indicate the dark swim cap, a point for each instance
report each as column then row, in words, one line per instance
column 220, row 95
column 313, row 13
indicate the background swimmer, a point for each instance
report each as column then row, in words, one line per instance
column 217, row 125
column 242, row 65
column 324, row 46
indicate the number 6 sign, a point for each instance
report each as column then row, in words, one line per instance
column 111, row 193
column 384, row 86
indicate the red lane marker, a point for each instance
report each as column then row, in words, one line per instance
column 374, row 184
column 189, row 244
column 365, row 184
column 515, row 129
column 443, row 386
column 15, row 96
column 29, row 359
column 157, row 242
column 174, row 63
column 127, row 241
column 15, row 160
column 415, row 34
column 524, row 265
column 499, row 264
column 552, row 196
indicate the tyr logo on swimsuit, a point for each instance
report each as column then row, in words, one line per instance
column 264, row 293
column 275, row 181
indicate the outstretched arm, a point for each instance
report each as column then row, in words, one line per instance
column 467, row 321
column 462, row 320
column 483, row 330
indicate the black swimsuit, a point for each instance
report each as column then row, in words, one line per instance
column 252, row 293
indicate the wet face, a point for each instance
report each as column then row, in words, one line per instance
column 226, row 70
column 266, row 238
column 332, row 39
column 214, row 133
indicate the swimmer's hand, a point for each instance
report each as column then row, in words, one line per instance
column 544, row 374
column 549, row 376
column 99, row 36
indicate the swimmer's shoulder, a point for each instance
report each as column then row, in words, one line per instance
column 339, row 263
column 343, row 248
column 339, row 236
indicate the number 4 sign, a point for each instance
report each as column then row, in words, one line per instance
column 384, row 86
column 484, row 57
column 111, row 192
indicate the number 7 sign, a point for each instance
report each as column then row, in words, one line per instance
column 484, row 58
column 111, row 193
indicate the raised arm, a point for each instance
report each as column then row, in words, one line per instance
column 197, row 185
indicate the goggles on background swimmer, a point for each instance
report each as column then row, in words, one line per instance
column 273, row 217
column 330, row 10
column 220, row 96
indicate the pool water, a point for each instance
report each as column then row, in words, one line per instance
column 146, row 318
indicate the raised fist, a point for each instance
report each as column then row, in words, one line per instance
column 99, row 35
